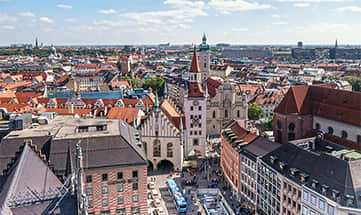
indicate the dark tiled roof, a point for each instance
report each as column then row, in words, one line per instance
column 328, row 170
column 261, row 146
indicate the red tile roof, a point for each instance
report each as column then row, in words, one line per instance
column 212, row 85
column 195, row 90
column 126, row 114
column 334, row 104
column 194, row 66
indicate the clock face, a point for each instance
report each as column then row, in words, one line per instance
column 195, row 103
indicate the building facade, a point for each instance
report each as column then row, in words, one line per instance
column 195, row 109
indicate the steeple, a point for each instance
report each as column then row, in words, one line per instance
column 204, row 39
column 36, row 43
column 194, row 66
column 336, row 44
column 156, row 102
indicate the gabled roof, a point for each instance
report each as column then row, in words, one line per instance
column 334, row 104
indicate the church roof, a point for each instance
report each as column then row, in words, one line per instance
column 334, row 104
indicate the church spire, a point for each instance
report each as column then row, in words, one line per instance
column 204, row 39
column 194, row 66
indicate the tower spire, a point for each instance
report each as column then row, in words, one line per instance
column 194, row 66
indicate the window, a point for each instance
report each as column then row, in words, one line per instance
column 313, row 200
column 156, row 148
column 120, row 200
column 104, row 188
column 279, row 124
column 343, row 134
column 105, row 203
column 214, row 114
column 135, row 211
column 195, row 142
column 90, row 201
column 305, row 196
column 191, row 108
column 225, row 113
column 89, row 190
column 291, row 126
column 199, row 108
column 105, row 213
column 135, row 174
column 358, row 139
column 330, row 210
column 304, row 211
column 238, row 113
column 89, row 179
column 135, row 198
column 170, row 150
column 135, row 186
column 120, row 175
column 321, row 205
column 120, row 211
column 120, row 187
column 330, row 130
column 318, row 126
column 105, row 177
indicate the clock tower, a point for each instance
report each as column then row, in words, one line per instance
column 195, row 102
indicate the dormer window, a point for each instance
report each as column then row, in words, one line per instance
column 314, row 184
column 273, row 159
column 350, row 200
column 335, row 194
column 282, row 165
column 324, row 188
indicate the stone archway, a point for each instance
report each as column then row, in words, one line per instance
column 165, row 166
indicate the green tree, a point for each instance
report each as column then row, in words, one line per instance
column 255, row 112
column 157, row 84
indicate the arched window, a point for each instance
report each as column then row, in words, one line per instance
column 214, row 114
column 291, row 126
column 156, row 148
column 170, row 150
column 225, row 113
column 318, row 126
column 344, row 134
column 279, row 124
column 238, row 113
column 330, row 130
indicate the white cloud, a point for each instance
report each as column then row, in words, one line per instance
column 180, row 15
column 349, row 9
column 229, row 6
column 8, row 27
column 313, row 1
column 46, row 19
column 239, row 29
column 280, row 23
column 5, row 18
column 302, row 4
column 276, row 16
column 107, row 11
column 26, row 14
column 64, row 6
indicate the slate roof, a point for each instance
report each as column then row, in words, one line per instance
column 260, row 147
column 28, row 180
column 336, row 173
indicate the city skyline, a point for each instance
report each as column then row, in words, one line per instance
column 246, row 22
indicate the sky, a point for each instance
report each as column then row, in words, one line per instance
column 115, row 22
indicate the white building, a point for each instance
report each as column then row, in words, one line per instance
column 162, row 137
column 195, row 104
